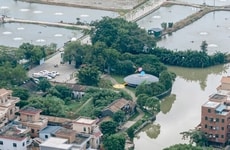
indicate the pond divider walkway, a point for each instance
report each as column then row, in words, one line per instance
column 55, row 24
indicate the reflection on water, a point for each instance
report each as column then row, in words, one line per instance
column 152, row 130
column 198, row 74
column 166, row 103
column 191, row 89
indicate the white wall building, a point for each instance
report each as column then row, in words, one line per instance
column 14, row 137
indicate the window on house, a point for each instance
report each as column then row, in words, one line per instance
column 217, row 135
column 205, row 126
column 209, row 110
column 84, row 129
column 1, row 142
column 217, row 119
column 222, row 136
column 206, row 118
column 46, row 136
column 14, row 145
column 11, row 111
column 23, row 144
column 222, row 128
column 222, row 120
column 32, row 130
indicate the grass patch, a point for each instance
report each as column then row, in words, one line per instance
column 119, row 79
column 75, row 105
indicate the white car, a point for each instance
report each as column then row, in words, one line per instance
column 48, row 77
column 55, row 72
column 53, row 75
column 36, row 75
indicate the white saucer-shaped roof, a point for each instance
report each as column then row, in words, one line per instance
column 138, row 78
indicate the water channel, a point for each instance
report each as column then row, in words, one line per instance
column 179, row 112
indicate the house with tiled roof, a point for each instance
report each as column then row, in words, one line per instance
column 120, row 104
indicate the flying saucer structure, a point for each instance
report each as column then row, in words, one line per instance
column 139, row 78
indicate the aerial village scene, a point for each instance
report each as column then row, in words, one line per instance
column 114, row 75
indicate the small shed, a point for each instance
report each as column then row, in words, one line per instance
column 155, row 31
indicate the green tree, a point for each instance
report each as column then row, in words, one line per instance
column 195, row 136
column 166, row 79
column 89, row 75
column 49, row 105
column 63, row 91
column 119, row 116
column 44, row 85
column 122, row 35
column 32, row 53
column 141, row 100
column 108, row 127
column 111, row 58
column 153, row 104
column 22, row 93
column 114, row 142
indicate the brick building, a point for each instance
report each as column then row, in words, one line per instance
column 215, row 115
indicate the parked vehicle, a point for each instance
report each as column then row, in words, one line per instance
column 55, row 72
column 36, row 75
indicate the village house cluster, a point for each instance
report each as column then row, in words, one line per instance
column 215, row 115
column 26, row 128
column 30, row 129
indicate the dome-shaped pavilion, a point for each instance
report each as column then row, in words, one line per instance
column 138, row 78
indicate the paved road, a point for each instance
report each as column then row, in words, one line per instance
column 66, row 71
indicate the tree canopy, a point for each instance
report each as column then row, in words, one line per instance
column 122, row 35
column 114, row 142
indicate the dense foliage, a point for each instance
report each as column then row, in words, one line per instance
column 60, row 91
column 189, row 58
column 195, row 136
column 152, row 104
column 49, row 105
column 122, row 35
column 154, row 89
column 99, row 99
column 88, row 75
column 114, row 142
column 12, row 75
